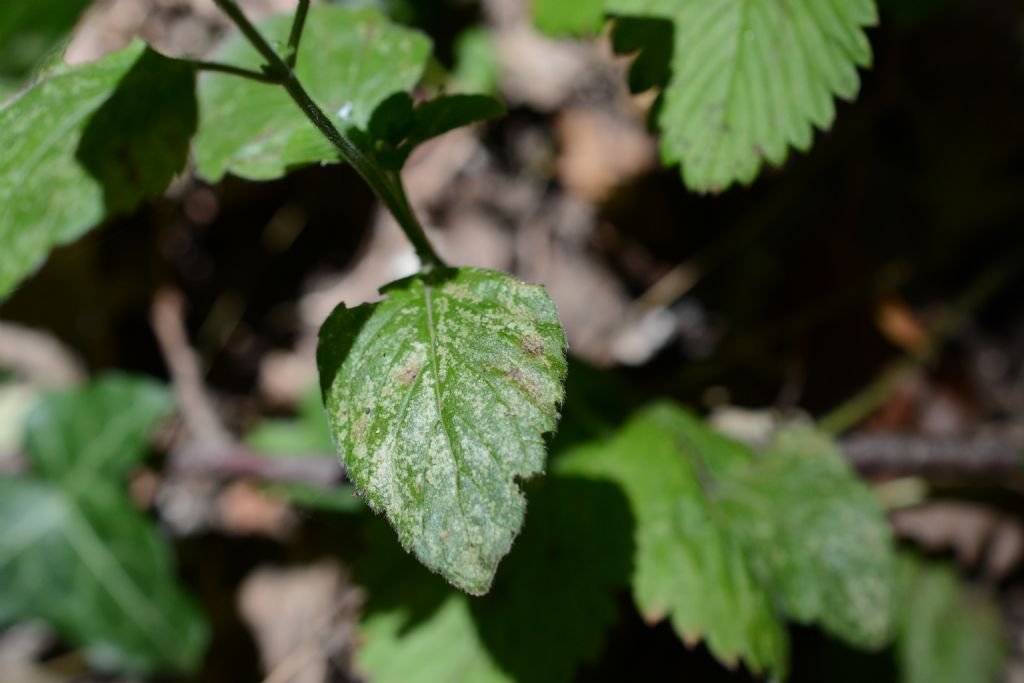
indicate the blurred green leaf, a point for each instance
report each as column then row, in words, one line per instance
column 946, row 633
column 84, row 143
column 568, row 17
column 751, row 78
column 93, row 436
column 729, row 543
column 75, row 553
column 350, row 61
column 572, row 558
column 438, row 398
column 476, row 66
column 308, row 432
column 816, row 536
column 29, row 30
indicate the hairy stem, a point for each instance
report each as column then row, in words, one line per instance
column 388, row 188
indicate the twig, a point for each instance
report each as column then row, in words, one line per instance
column 983, row 457
column 238, row 461
column 38, row 357
column 167, row 316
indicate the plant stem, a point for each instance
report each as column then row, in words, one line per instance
column 388, row 188
column 234, row 71
column 295, row 37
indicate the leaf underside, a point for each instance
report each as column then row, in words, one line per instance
column 438, row 399
column 752, row 78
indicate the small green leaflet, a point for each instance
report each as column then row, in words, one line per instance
column 946, row 631
column 438, row 398
column 572, row 559
column 396, row 128
column 350, row 60
column 725, row 544
column 84, row 143
column 73, row 549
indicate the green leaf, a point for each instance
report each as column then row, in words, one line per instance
column 448, row 112
column 687, row 566
column 94, row 435
column 476, row 66
column 946, row 632
column 729, row 543
column 350, row 61
column 816, row 536
column 84, row 143
column 29, row 30
column 438, row 398
column 651, row 41
column 74, row 551
column 572, row 558
column 752, row 78
column 308, row 433
column 573, row 17
column 396, row 129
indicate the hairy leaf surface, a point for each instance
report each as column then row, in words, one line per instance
column 84, row 143
column 752, row 78
column 73, row 549
column 729, row 543
column 349, row 61
column 438, row 399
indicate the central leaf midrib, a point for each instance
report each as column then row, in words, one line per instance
column 435, row 368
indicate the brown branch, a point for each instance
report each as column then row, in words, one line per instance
column 236, row 461
column 167, row 317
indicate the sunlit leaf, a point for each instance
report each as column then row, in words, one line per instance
column 438, row 398
column 84, row 143
column 730, row 543
column 350, row 61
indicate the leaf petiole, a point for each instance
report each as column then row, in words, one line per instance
column 387, row 188
column 295, row 37
column 235, row 71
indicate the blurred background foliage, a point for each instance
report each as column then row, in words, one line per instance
column 879, row 274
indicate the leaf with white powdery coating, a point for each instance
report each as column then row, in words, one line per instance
column 752, row 78
column 350, row 60
column 438, row 399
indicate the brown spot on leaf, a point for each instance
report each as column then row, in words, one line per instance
column 408, row 374
column 532, row 345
